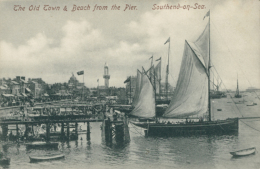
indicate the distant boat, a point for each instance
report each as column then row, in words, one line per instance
column 251, row 104
column 49, row 145
column 46, row 157
column 244, row 152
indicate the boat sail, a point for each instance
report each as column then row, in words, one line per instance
column 145, row 106
column 137, row 88
column 192, row 95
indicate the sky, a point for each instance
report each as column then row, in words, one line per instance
column 54, row 44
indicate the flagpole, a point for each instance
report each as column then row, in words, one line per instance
column 83, row 86
column 98, row 88
column 130, row 89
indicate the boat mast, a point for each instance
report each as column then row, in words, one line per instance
column 154, row 93
column 167, row 69
column 150, row 68
column 209, row 103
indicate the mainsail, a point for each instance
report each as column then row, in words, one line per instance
column 191, row 94
column 145, row 106
column 137, row 88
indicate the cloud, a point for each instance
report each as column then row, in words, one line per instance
column 37, row 57
column 86, row 44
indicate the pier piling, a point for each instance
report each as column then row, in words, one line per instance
column 4, row 131
column 62, row 130
column 47, row 132
column 76, row 128
column 68, row 130
column 88, row 131
column 17, row 131
column 26, row 131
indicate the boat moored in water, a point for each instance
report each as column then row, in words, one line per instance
column 46, row 157
column 191, row 97
column 36, row 145
column 244, row 152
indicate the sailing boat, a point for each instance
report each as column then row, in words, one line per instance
column 144, row 107
column 237, row 95
column 191, row 96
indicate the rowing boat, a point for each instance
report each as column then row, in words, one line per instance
column 46, row 157
column 243, row 152
column 42, row 145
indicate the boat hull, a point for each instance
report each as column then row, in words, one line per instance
column 213, row 127
column 46, row 158
column 42, row 145
column 244, row 152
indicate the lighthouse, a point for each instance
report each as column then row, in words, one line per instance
column 106, row 76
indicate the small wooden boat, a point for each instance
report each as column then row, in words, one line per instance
column 36, row 145
column 5, row 161
column 251, row 104
column 243, row 152
column 46, row 157
column 219, row 109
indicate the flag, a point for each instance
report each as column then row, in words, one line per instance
column 168, row 40
column 128, row 79
column 207, row 14
column 151, row 57
column 80, row 72
column 158, row 59
column 98, row 80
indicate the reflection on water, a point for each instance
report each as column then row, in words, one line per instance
column 197, row 152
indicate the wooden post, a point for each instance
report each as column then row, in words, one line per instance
column 108, row 131
column 4, row 131
column 62, row 130
column 26, row 131
column 68, row 130
column 76, row 128
column 17, row 131
column 88, row 131
column 32, row 130
column 47, row 132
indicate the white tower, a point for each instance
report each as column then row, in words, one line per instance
column 106, row 76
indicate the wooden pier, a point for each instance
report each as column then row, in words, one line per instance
column 65, row 124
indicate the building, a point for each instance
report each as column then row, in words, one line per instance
column 35, row 90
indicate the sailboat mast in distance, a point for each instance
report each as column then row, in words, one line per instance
column 167, row 69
